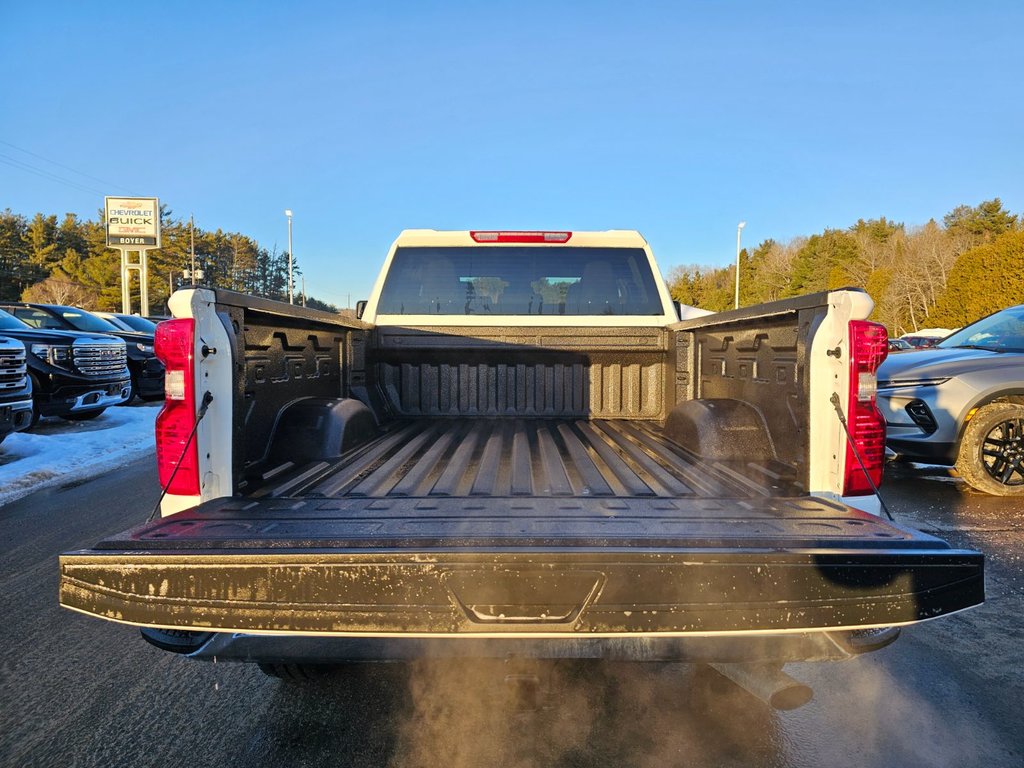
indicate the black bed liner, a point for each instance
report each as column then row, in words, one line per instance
column 534, row 458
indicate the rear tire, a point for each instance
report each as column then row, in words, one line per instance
column 991, row 456
column 297, row 673
column 83, row 416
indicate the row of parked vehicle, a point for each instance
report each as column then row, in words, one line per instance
column 922, row 339
column 68, row 362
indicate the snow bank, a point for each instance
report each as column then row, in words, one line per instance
column 59, row 451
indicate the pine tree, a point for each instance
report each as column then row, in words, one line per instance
column 41, row 238
column 823, row 262
column 14, row 277
column 971, row 226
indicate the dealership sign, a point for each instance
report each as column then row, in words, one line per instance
column 133, row 223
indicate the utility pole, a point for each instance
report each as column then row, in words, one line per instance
column 303, row 290
column 192, row 244
column 291, row 282
column 739, row 228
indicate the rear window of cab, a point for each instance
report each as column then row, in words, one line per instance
column 508, row 280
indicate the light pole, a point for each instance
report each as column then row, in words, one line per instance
column 291, row 296
column 739, row 228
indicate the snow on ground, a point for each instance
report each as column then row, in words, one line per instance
column 59, row 451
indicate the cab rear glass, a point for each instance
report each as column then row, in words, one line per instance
column 508, row 280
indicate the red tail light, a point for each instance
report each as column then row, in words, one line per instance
column 174, row 345
column 520, row 237
column 869, row 345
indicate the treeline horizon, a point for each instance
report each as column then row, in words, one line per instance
column 67, row 261
column 938, row 274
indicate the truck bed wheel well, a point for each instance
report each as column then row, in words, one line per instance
column 721, row 429
column 314, row 429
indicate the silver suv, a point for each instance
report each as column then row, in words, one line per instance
column 961, row 403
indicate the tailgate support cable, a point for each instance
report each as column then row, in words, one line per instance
column 203, row 408
column 842, row 420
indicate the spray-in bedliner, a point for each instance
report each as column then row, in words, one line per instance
column 526, row 458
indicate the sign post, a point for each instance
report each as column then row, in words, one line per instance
column 133, row 226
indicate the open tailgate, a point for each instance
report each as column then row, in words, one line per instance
column 469, row 566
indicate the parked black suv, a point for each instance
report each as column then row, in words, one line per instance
column 15, row 388
column 146, row 370
column 74, row 375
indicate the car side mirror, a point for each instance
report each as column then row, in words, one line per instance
column 679, row 309
column 360, row 308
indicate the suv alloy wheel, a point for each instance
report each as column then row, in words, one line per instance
column 992, row 451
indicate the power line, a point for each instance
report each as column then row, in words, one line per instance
column 14, row 163
column 22, row 166
column 61, row 165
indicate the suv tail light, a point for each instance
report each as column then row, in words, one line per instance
column 174, row 345
column 869, row 346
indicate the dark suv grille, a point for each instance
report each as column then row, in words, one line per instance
column 12, row 369
column 100, row 359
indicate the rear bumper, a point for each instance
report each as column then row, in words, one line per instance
column 554, row 593
column 750, row 647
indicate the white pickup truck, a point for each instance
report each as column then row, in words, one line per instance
column 520, row 448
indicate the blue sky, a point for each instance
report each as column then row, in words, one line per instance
column 677, row 119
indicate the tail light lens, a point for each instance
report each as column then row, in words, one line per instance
column 175, row 345
column 869, row 346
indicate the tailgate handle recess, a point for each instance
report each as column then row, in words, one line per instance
column 502, row 596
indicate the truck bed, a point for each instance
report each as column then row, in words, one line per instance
column 499, row 458
column 565, row 512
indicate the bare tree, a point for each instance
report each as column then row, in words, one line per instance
column 55, row 291
column 918, row 273
column 775, row 271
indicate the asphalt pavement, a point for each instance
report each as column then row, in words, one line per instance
column 77, row 691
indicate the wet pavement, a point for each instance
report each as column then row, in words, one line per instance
column 76, row 691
